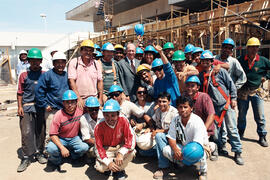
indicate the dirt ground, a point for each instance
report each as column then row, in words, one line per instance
column 257, row 158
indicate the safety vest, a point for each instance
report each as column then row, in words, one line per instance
column 206, row 79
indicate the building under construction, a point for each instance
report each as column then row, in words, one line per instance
column 204, row 23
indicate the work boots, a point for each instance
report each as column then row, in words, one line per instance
column 238, row 159
column 263, row 142
column 40, row 158
column 23, row 165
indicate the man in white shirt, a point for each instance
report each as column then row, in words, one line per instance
column 185, row 128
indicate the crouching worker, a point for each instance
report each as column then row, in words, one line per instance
column 64, row 131
column 115, row 141
column 187, row 127
column 88, row 123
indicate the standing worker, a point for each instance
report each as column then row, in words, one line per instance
column 168, row 50
column 23, row 63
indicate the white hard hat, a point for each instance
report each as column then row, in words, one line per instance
column 22, row 52
column 145, row 141
column 59, row 55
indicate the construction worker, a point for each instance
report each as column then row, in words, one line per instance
column 98, row 55
column 223, row 93
column 119, row 52
column 64, row 130
column 109, row 70
column 85, row 74
column 185, row 128
column 114, row 140
column 235, row 69
column 188, row 53
column 196, row 53
column 129, row 81
column 166, row 79
column 97, row 47
column 168, row 49
column 139, row 54
column 32, row 129
column 50, row 89
column 149, row 55
column 256, row 68
column 88, row 122
column 182, row 69
column 204, row 108
column 22, row 63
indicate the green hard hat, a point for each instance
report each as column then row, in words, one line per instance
column 34, row 53
column 168, row 45
column 179, row 56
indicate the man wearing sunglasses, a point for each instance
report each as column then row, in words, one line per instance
column 166, row 79
column 88, row 122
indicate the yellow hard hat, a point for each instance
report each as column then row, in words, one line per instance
column 87, row 43
column 118, row 46
column 253, row 42
column 143, row 67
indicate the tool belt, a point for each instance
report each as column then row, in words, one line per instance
column 244, row 92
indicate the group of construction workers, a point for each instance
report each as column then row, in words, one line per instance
column 113, row 102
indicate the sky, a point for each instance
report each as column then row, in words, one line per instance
column 24, row 16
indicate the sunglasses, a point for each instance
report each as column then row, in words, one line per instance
column 157, row 68
column 115, row 94
column 93, row 109
column 141, row 92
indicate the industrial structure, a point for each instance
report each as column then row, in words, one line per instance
column 204, row 23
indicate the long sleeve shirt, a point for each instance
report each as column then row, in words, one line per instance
column 168, row 84
column 50, row 89
column 107, row 136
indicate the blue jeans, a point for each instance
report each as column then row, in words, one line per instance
column 230, row 122
column 161, row 142
column 149, row 153
column 258, row 112
column 75, row 145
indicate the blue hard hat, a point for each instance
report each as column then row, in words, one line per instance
column 207, row 55
column 197, row 49
column 96, row 46
column 69, row 95
column 139, row 29
column 111, row 106
column 157, row 62
column 139, row 50
column 229, row 41
column 92, row 102
column 192, row 153
column 99, row 54
column 115, row 88
column 107, row 47
column 188, row 48
column 193, row 79
column 150, row 49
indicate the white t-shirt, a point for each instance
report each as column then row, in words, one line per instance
column 87, row 125
column 195, row 130
column 163, row 119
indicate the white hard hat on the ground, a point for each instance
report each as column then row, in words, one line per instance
column 59, row 55
column 145, row 141
column 23, row 52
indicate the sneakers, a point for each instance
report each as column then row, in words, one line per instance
column 263, row 142
column 23, row 165
column 214, row 154
column 41, row 158
column 203, row 176
column 238, row 159
column 120, row 175
column 223, row 151
column 160, row 173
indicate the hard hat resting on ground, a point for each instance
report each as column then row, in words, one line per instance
column 194, row 79
column 107, row 47
column 111, row 106
column 118, row 46
column 197, row 49
column 192, row 153
column 168, row 45
column 34, row 53
column 22, row 52
column 189, row 48
column 253, row 42
column 229, row 41
column 115, row 88
column 92, row 102
column 178, row 56
column 139, row 50
column 69, row 95
column 207, row 55
column 142, row 67
column 87, row 43
column 157, row 62
column 59, row 55
column 139, row 29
